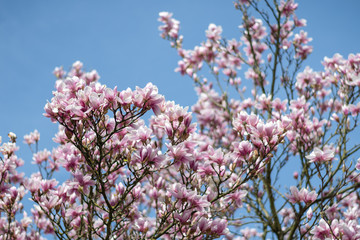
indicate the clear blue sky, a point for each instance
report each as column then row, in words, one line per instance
column 120, row 39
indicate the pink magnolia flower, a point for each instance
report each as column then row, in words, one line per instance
column 203, row 224
column 279, row 105
column 237, row 197
column 96, row 100
column 334, row 62
column 332, row 212
column 77, row 65
column 287, row 214
column 205, row 170
column 248, row 233
column 92, row 76
column 149, row 155
column 321, row 231
column 216, row 156
column 49, row 202
column 47, row 185
column 151, row 98
column 41, row 156
column 214, row 32
column 179, row 192
column 8, row 148
column 26, row 221
column 319, row 156
column 243, row 150
column 171, row 26
column 287, row 7
column 303, row 51
column 309, row 214
column 125, row 97
column 301, row 196
column 354, row 109
column 32, row 138
column 183, row 217
column 59, row 72
column 71, row 162
column 74, row 212
column 218, row 226
column 179, row 153
column 82, row 181
column 33, row 183
column 142, row 224
column 299, row 22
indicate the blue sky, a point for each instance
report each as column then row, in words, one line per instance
column 120, row 39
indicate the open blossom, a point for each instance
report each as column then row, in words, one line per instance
column 32, row 138
column 237, row 197
column 179, row 153
column 320, row 156
column 75, row 211
column 309, row 214
column 248, row 233
column 171, row 26
column 218, row 226
column 183, row 217
column 287, row 7
column 8, row 148
column 287, row 214
column 214, row 32
column 81, row 181
column 41, row 156
column 301, row 196
column 321, row 231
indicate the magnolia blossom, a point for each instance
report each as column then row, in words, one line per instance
column 309, row 214
column 301, row 196
column 320, row 156
column 32, row 138
column 322, row 231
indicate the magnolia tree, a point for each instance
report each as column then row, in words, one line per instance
column 276, row 161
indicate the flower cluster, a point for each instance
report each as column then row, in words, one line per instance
column 226, row 175
column 119, row 166
column 14, row 221
column 301, row 196
column 289, row 119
